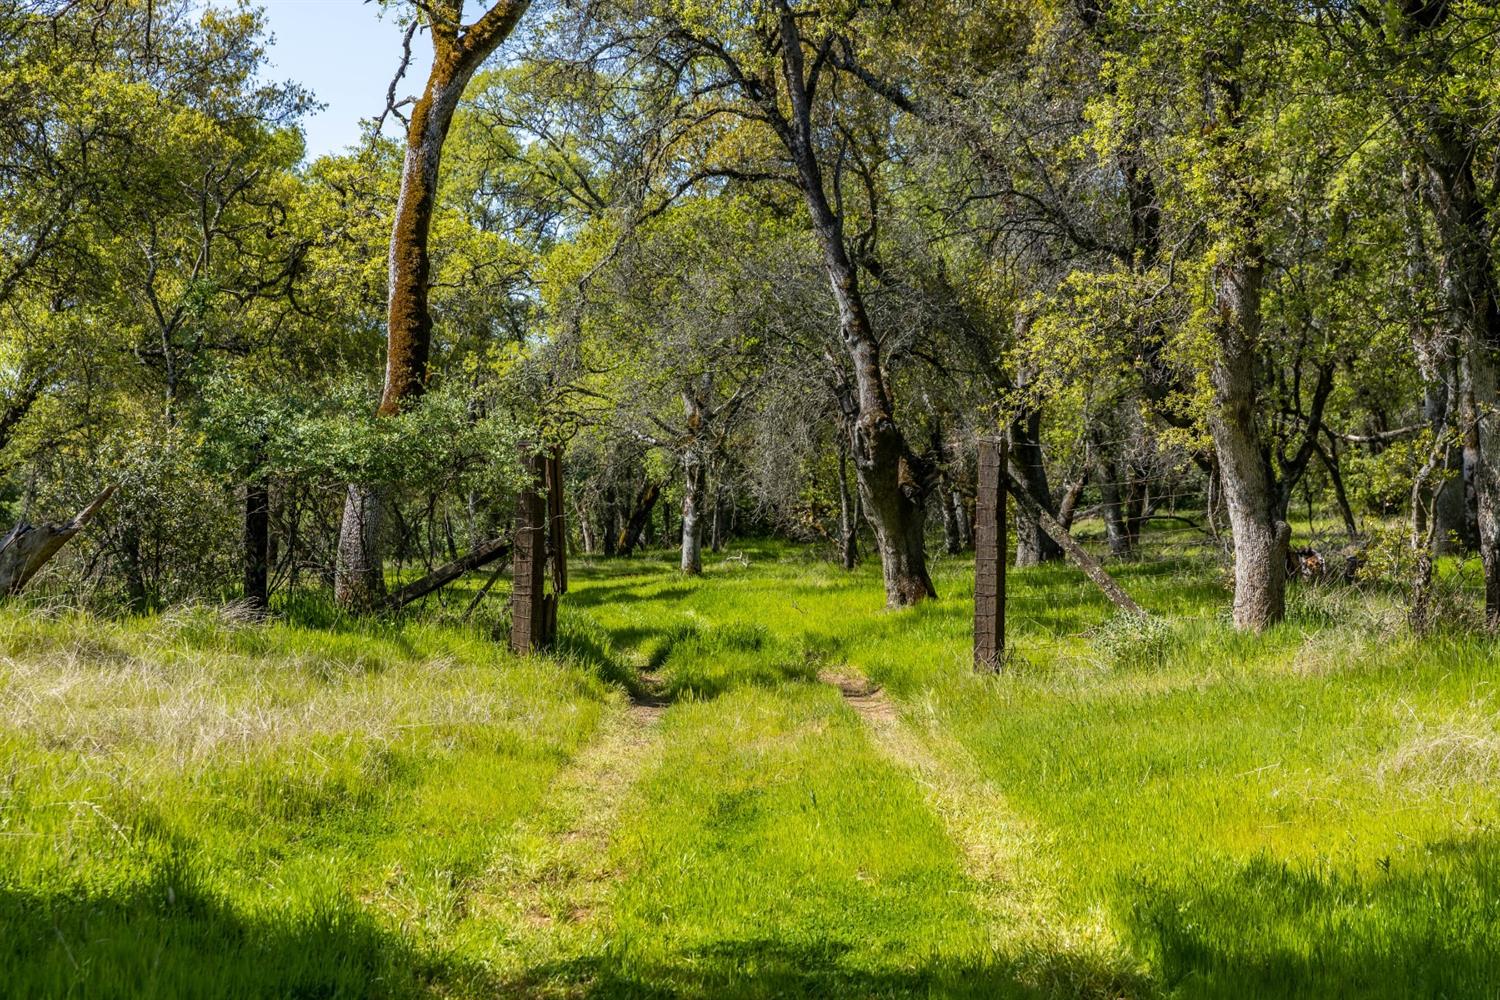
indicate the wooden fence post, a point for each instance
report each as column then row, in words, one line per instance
column 989, row 557
column 541, row 538
column 528, row 600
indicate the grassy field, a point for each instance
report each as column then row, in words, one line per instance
column 757, row 784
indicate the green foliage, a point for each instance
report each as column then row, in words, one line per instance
column 1134, row 641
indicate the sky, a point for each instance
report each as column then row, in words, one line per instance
column 346, row 53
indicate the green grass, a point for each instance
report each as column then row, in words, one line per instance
column 193, row 806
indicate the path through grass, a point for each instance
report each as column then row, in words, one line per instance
column 754, row 784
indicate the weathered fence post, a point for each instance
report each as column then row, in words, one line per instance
column 541, row 536
column 989, row 557
column 529, row 614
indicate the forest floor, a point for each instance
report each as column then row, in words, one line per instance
column 757, row 783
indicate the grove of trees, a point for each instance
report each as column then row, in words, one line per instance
column 757, row 267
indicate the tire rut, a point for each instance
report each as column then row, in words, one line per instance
column 554, row 873
column 1006, row 854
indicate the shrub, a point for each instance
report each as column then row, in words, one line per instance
column 1128, row 639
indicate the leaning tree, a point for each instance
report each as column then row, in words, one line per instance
column 458, row 50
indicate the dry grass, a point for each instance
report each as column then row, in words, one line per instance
column 1464, row 747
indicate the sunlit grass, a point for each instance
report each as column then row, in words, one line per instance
column 197, row 805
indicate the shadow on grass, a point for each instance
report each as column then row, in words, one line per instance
column 1269, row 928
column 645, row 589
column 767, row 968
column 168, row 938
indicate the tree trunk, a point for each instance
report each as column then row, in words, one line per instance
column 1260, row 536
column 716, row 536
column 1033, row 545
column 1330, row 459
column 1067, row 509
column 481, row 555
column 257, row 550
column 609, row 521
column 359, row 580
column 1251, row 495
column 1075, row 552
column 961, row 515
column 640, row 517
column 892, row 482
column 953, row 542
column 848, row 515
column 666, row 525
column 137, row 594
column 1471, row 322
column 1436, row 360
column 585, row 528
column 692, row 506
column 530, row 610
column 1116, row 525
column 359, row 574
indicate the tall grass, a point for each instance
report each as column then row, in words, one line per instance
column 197, row 805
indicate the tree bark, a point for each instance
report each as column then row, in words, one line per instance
column 30, row 547
column 359, row 579
column 1033, row 545
column 892, row 482
column 531, row 613
column 257, row 548
column 961, row 515
column 1250, row 496
column 1447, row 141
column 666, row 525
column 1437, row 361
column 1449, row 509
column 1116, row 524
column 609, row 520
column 1471, row 321
column 716, row 537
column 692, row 506
column 359, row 572
column 953, row 542
column 640, row 517
column 481, row 555
column 1250, row 492
column 1067, row 509
column 585, row 528
column 848, row 514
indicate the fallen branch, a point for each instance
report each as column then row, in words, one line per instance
column 29, row 547
column 481, row 555
column 499, row 569
column 1060, row 535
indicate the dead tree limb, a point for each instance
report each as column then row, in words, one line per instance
column 499, row 569
column 29, row 547
column 481, row 555
column 1059, row 534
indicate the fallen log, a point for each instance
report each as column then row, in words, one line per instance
column 29, row 547
column 1075, row 552
column 481, row 555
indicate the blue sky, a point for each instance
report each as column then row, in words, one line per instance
column 346, row 53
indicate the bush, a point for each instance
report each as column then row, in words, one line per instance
column 1129, row 639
